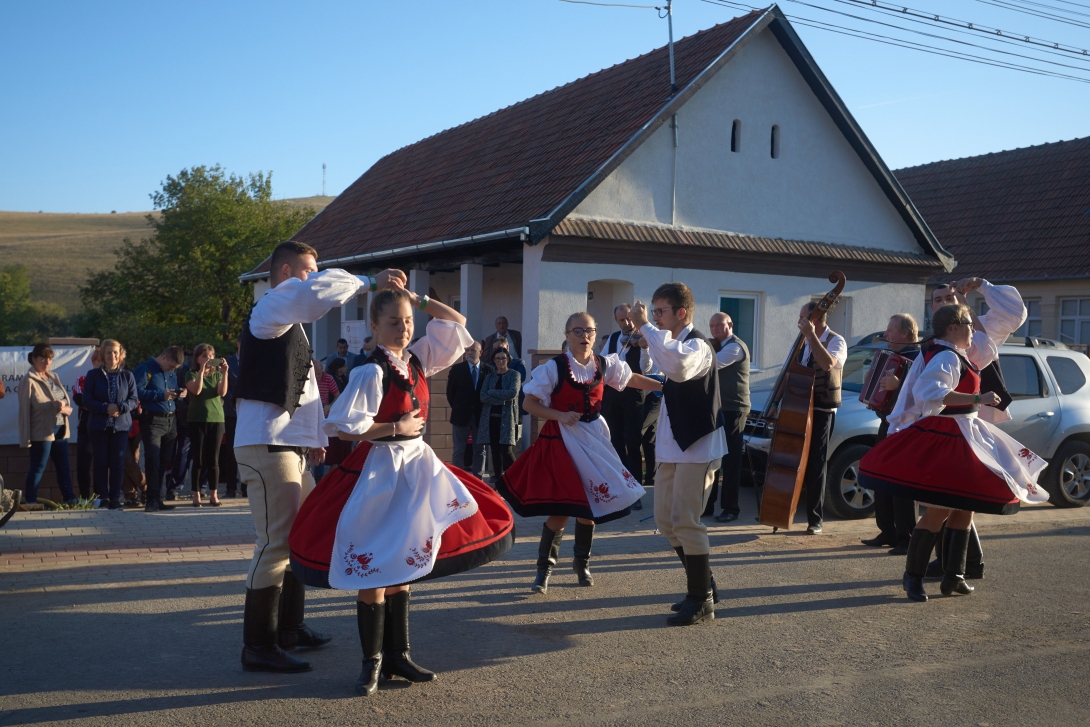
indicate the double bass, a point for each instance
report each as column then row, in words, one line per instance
column 793, row 395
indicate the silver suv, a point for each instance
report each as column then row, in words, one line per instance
column 1050, row 414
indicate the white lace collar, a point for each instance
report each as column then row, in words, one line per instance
column 402, row 365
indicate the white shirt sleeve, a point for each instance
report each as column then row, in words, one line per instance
column 1006, row 311
column 617, row 373
column 543, row 380
column 444, row 342
column 678, row 360
column 354, row 410
column 935, row 381
column 838, row 349
column 729, row 354
column 301, row 301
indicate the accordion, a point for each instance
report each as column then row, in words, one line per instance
column 885, row 362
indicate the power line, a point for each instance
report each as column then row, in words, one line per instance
column 911, row 45
column 1035, row 13
column 612, row 5
column 1050, row 7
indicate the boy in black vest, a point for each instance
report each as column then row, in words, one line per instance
column 690, row 442
column 825, row 352
column 279, row 425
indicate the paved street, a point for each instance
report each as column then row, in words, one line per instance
column 132, row 618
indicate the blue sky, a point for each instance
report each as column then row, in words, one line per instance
column 100, row 101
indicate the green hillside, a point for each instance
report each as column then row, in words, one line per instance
column 62, row 250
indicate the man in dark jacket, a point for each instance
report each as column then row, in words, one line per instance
column 158, row 389
column 464, row 397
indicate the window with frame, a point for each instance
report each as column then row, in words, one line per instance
column 743, row 310
column 1075, row 320
column 1033, row 325
column 1023, row 378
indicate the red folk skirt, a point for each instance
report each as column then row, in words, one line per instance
column 931, row 462
column 544, row 481
column 468, row 544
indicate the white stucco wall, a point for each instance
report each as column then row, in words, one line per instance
column 818, row 188
column 562, row 289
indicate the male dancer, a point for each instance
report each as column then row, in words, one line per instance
column 279, row 425
column 690, row 443
column 624, row 410
column 895, row 516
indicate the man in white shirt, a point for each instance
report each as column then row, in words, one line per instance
column 690, row 441
column 279, row 426
column 825, row 352
column 732, row 363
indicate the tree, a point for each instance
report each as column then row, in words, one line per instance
column 22, row 320
column 180, row 286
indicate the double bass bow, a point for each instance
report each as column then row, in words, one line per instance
column 792, row 408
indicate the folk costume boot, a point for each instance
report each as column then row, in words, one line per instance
column 974, row 563
column 259, row 650
column 291, row 632
column 919, row 550
column 955, row 547
column 584, row 536
column 935, row 568
column 370, row 620
column 697, row 606
column 395, row 643
column 548, row 553
column 715, row 590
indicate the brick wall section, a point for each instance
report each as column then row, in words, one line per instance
column 14, row 463
column 438, row 435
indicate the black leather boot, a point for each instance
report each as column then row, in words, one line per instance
column 395, row 643
column 697, row 606
column 259, row 650
column 370, row 620
column 935, row 568
column 548, row 552
column 974, row 562
column 291, row 632
column 919, row 550
column 715, row 589
column 584, row 536
column 955, row 546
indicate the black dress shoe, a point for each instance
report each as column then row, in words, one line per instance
column 116, row 506
column 879, row 542
column 155, row 506
column 301, row 637
column 726, row 517
column 171, row 496
column 901, row 549
column 271, row 658
column 637, row 505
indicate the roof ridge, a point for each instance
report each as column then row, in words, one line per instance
column 999, row 153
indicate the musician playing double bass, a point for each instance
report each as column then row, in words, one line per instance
column 895, row 516
column 825, row 351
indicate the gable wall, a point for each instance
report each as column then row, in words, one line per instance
column 818, row 188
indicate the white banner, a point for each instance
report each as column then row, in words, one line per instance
column 354, row 332
column 69, row 362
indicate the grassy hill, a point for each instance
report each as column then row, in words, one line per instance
column 62, row 250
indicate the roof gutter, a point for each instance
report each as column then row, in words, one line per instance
column 522, row 233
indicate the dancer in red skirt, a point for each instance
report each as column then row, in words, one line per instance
column 392, row 513
column 945, row 455
column 572, row 470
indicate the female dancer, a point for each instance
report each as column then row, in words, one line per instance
column 943, row 454
column 572, row 469
column 392, row 513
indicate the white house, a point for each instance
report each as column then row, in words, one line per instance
column 751, row 184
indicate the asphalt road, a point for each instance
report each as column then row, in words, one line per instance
column 811, row 631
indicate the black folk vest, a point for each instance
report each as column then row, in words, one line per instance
column 693, row 405
column 826, row 383
column 734, row 379
column 274, row 370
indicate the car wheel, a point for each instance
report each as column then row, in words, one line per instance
column 844, row 496
column 1067, row 478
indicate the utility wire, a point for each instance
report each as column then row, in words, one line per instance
column 612, row 5
column 1035, row 13
column 911, row 45
column 1049, row 7
column 932, row 18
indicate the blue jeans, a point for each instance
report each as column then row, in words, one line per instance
column 40, row 454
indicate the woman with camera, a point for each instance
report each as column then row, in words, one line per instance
column 206, row 383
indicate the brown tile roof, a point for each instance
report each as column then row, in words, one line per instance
column 735, row 242
column 1013, row 215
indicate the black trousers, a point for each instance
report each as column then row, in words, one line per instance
column 158, row 435
column 503, row 455
column 814, row 480
column 894, row 516
column 84, row 455
column 647, row 437
column 204, row 443
column 109, row 455
column 729, row 475
column 228, row 464
column 625, row 420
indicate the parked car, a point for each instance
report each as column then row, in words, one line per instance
column 1050, row 414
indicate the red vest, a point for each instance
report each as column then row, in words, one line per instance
column 583, row 398
column 400, row 395
column 969, row 383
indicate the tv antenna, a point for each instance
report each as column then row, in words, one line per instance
column 323, row 179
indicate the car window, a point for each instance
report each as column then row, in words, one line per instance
column 1022, row 376
column 1068, row 374
column 856, row 367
